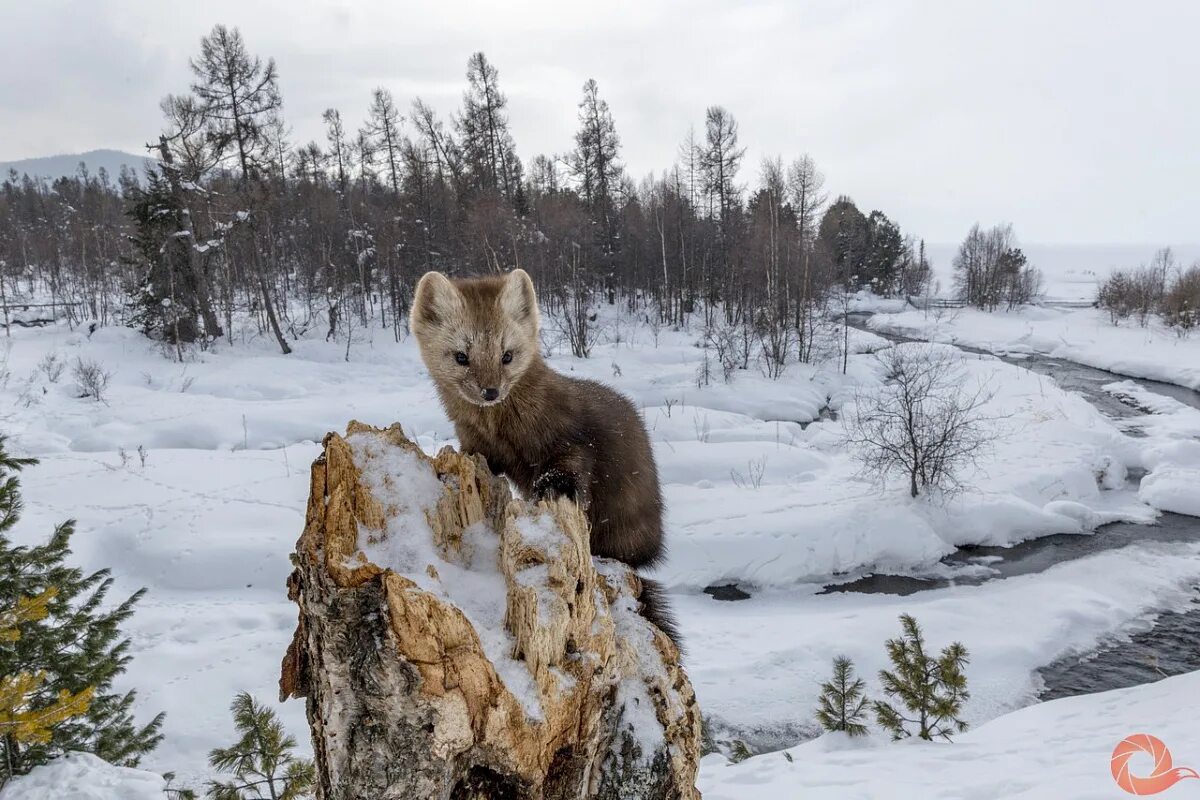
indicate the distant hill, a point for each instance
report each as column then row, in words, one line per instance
column 52, row 167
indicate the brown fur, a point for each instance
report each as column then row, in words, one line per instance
column 550, row 434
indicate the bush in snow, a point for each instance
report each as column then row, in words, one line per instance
column 262, row 759
column 931, row 691
column 52, row 366
column 65, row 639
column 90, row 378
column 1137, row 292
column 1181, row 303
column 843, row 701
column 923, row 424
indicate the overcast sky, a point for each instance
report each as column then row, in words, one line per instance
column 1077, row 121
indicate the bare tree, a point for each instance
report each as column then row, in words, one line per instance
column 91, row 378
column 335, row 134
column 924, row 424
column 239, row 94
column 384, row 125
column 488, row 149
column 990, row 270
column 720, row 160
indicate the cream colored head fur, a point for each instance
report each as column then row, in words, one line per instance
column 477, row 336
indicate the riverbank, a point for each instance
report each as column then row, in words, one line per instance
column 1083, row 335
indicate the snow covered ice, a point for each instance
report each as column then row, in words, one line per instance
column 760, row 492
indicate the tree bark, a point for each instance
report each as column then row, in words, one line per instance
column 416, row 690
column 271, row 318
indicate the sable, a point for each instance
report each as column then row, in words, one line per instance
column 552, row 435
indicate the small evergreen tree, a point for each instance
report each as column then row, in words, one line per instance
column 19, row 718
column 843, row 700
column 930, row 690
column 75, row 648
column 261, row 760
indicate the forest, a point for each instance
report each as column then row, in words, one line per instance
column 238, row 221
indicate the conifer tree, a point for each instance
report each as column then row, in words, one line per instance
column 165, row 303
column 240, row 97
column 261, row 761
column 75, row 648
column 843, row 700
column 931, row 690
column 20, row 719
column 488, row 150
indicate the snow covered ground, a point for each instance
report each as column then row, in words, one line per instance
column 756, row 495
column 81, row 776
column 1053, row 750
column 1084, row 335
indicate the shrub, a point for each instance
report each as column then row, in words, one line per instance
column 923, row 425
column 91, row 379
column 1181, row 302
column 843, row 701
column 1138, row 292
column 263, row 756
column 931, row 690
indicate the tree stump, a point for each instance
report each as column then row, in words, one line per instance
column 456, row 643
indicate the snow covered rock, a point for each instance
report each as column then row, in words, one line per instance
column 82, row 776
column 454, row 642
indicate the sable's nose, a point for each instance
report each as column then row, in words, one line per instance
column 490, row 394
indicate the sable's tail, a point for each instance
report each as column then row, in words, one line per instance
column 657, row 610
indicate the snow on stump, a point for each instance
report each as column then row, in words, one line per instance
column 456, row 643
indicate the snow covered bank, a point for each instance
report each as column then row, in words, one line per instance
column 1171, row 451
column 80, row 776
column 1082, row 335
column 1054, row 750
column 788, row 505
column 757, row 664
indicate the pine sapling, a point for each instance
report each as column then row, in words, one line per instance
column 931, row 690
column 22, row 719
column 66, row 640
column 261, row 761
column 843, row 701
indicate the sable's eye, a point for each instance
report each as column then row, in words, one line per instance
column 507, row 357
column 461, row 358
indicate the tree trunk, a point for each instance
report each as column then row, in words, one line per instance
column 456, row 644
column 269, row 307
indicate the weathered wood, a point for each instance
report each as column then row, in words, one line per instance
column 419, row 686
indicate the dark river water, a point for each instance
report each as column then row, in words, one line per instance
column 1171, row 646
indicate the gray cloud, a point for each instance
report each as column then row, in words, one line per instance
column 1075, row 119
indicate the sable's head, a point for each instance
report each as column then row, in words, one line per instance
column 477, row 335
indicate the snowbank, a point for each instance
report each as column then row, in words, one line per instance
column 1170, row 451
column 82, row 776
column 757, row 664
column 783, row 505
column 1053, row 750
column 1082, row 335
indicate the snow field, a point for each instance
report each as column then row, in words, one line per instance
column 757, row 493
column 1083, row 335
column 1049, row 751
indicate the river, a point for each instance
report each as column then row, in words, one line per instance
column 1172, row 645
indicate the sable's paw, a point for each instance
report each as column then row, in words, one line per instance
column 555, row 483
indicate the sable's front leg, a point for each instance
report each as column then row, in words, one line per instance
column 556, row 483
column 565, row 477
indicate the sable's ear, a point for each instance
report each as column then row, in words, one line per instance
column 518, row 299
column 436, row 301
